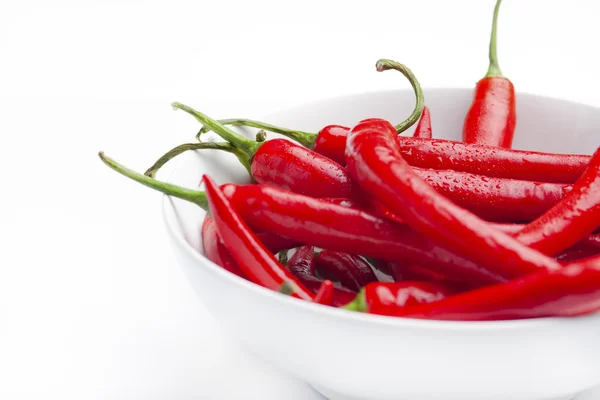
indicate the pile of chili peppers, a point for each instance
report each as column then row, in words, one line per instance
column 367, row 220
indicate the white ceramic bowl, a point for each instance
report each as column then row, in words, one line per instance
column 347, row 355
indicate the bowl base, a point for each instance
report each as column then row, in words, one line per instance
column 330, row 394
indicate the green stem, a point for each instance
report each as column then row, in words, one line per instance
column 494, row 68
column 287, row 288
column 306, row 139
column 384, row 65
column 193, row 196
column 358, row 304
column 174, row 152
column 247, row 146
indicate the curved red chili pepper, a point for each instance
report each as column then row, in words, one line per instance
column 254, row 259
column 492, row 117
column 331, row 142
column 387, row 298
column 325, row 294
column 570, row 291
column 375, row 161
column 352, row 271
column 572, row 219
column 302, row 266
column 495, row 199
column 493, row 161
column 312, row 221
column 215, row 251
column 423, row 129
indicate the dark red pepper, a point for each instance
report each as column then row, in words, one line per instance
column 423, row 129
column 495, row 199
column 375, row 161
column 254, row 259
column 352, row 271
column 567, row 292
column 302, row 266
column 572, row 219
column 492, row 117
column 387, row 298
column 331, row 226
column 214, row 249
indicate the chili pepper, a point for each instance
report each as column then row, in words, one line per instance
column 387, row 298
column 331, row 140
column 413, row 272
column 374, row 160
column 285, row 164
column 302, row 266
column 576, row 253
column 250, row 254
column 423, row 129
column 475, row 158
column 572, row 219
column 214, row 249
column 570, row 291
column 493, row 161
column 495, row 199
column 325, row 294
column 322, row 224
column 352, row 271
column 274, row 242
column 492, row 117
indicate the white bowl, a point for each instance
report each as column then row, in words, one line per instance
column 348, row 355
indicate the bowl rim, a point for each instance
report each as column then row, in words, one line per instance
column 341, row 314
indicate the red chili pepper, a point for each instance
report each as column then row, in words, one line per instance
column 352, row 271
column 387, row 298
column 576, row 253
column 477, row 159
column 492, row 117
column 375, row 161
column 493, row 161
column 322, row 224
column 572, row 219
column 325, row 294
column 276, row 243
column 214, row 249
column 423, row 129
column 570, row 291
column 302, row 266
column 411, row 272
column 250, row 254
column 495, row 199
column 331, row 140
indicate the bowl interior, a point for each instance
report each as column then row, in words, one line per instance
column 543, row 124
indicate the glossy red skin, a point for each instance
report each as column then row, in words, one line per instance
column 375, row 161
column 493, row 161
column 331, row 142
column 492, row 117
column 352, row 271
column 423, row 129
column 412, row 272
column 215, row 251
column 302, row 266
column 330, row 226
column 570, row 291
column 387, row 298
column 274, row 242
column 572, row 219
column 288, row 165
column 576, row 253
column 255, row 260
column 325, row 294
column 495, row 199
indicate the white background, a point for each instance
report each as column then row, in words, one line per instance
column 92, row 305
